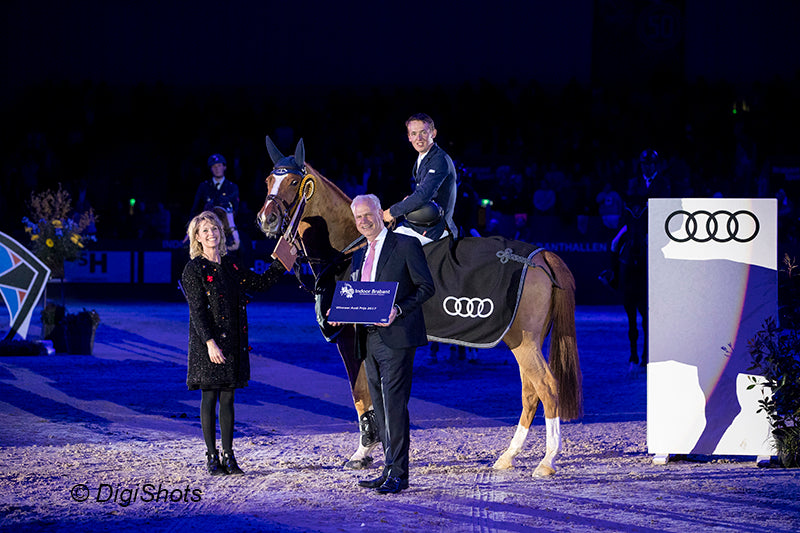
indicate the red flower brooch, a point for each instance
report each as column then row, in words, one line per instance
column 209, row 278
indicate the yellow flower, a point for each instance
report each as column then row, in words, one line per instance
column 49, row 243
column 57, row 223
column 75, row 238
column 34, row 237
column 28, row 229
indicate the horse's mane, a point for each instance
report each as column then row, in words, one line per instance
column 335, row 190
column 334, row 205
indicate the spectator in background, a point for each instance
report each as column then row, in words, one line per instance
column 544, row 198
column 217, row 191
column 231, row 233
column 609, row 206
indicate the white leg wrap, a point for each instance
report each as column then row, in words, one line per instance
column 519, row 439
column 362, row 452
column 552, row 448
column 507, row 459
column 553, row 427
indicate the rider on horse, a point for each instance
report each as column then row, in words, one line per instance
column 429, row 209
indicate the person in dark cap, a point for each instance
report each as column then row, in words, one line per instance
column 217, row 191
column 428, row 211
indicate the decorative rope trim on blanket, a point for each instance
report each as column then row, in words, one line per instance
column 509, row 255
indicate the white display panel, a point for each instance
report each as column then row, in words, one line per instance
column 712, row 266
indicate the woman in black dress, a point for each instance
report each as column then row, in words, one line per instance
column 219, row 359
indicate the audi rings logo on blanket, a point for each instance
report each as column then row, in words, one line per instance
column 468, row 307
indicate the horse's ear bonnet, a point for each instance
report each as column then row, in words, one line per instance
column 292, row 164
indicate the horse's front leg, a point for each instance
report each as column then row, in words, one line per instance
column 357, row 375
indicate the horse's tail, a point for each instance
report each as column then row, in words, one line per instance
column 563, row 356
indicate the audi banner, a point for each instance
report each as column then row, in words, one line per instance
column 712, row 266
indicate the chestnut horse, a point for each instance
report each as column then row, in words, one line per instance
column 327, row 227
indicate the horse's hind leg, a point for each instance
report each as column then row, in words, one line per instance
column 633, row 332
column 645, row 329
column 538, row 383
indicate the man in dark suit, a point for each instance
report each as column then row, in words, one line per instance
column 435, row 179
column 389, row 348
column 217, row 191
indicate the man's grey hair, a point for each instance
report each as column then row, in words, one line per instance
column 373, row 201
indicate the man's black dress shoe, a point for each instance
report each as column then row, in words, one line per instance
column 372, row 483
column 393, row 485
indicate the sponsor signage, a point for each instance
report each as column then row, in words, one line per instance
column 120, row 267
column 712, row 266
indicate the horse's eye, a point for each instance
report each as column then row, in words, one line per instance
column 295, row 182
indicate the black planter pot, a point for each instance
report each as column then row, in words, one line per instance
column 80, row 338
column 58, row 334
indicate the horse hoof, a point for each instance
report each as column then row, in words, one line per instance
column 543, row 471
column 358, row 464
column 503, row 464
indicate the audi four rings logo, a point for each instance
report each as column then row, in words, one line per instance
column 468, row 307
column 720, row 226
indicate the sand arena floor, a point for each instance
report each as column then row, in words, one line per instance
column 112, row 441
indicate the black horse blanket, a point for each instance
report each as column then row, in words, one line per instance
column 479, row 283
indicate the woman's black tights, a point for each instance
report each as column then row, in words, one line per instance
column 208, row 418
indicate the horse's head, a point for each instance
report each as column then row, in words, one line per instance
column 286, row 184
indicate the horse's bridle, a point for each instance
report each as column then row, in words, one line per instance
column 287, row 210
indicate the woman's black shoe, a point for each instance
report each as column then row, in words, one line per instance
column 213, row 466
column 229, row 463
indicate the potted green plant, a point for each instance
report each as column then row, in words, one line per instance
column 775, row 353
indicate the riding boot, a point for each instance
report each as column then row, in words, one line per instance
column 369, row 428
column 229, row 463
column 212, row 464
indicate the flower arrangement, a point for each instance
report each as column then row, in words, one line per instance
column 56, row 233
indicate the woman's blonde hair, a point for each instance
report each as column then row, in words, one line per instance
column 195, row 247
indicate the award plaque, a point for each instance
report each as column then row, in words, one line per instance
column 363, row 302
